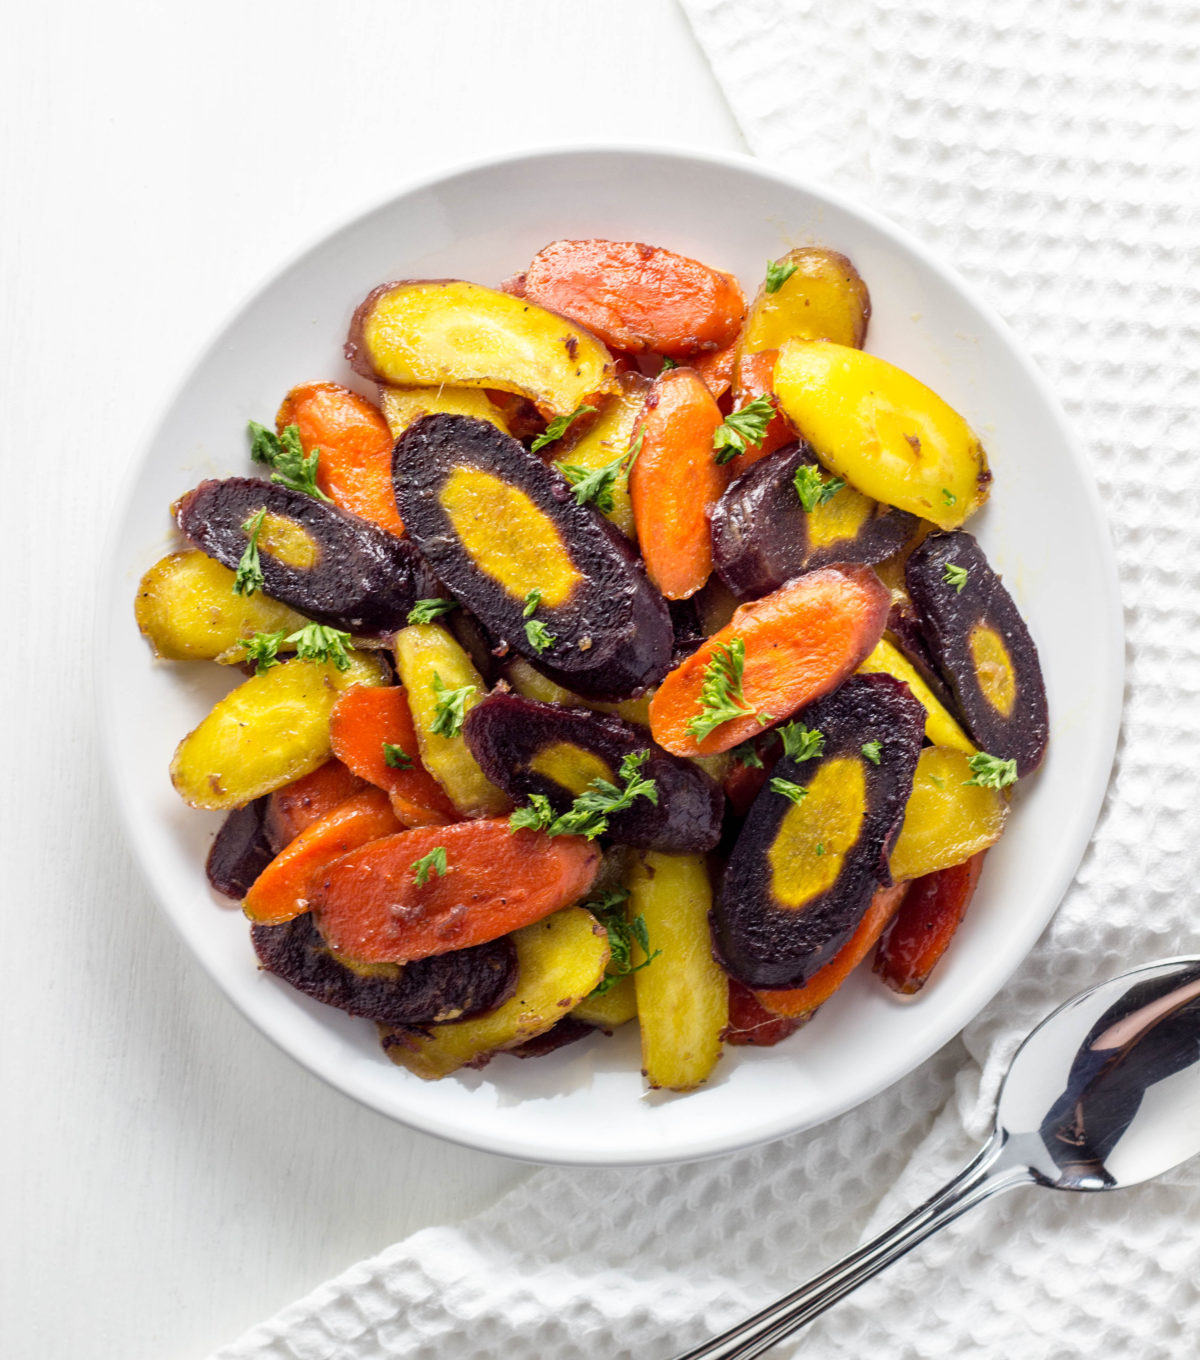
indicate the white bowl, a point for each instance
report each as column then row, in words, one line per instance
column 1044, row 529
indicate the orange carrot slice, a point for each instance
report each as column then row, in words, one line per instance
column 372, row 908
column 716, row 368
column 282, row 890
column 367, row 719
column 800, row 642
column 638, row 297
column 307, row 800
column 925, row 925
column 800, row 1001
column 756, row 378
column 675, row 482
column 355, row 468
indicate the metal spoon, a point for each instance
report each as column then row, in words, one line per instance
column 1103, row 1094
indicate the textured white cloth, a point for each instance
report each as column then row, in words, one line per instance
column 1049, row 149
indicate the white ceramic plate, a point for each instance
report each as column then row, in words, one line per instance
column 1043, row 529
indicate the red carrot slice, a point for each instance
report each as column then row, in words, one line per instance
column 372, row 732
column 751, row 1023
column 307, row 800
column 637, row 297
column 675, row 482
column 435, row 889
column 802, row 1001
column 355, row 468
column 799, row 643
column 925, row 925
column 282, row 890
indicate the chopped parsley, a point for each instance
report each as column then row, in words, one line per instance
column 955, row 576
column 588, row 815
column 871, row 750
column 949, row 497
column 623, row 933
column 790, row 789
column 284, row 453
column 990, row 772
column 396, row 757
column 432, row 863
column 539, row 636
column 316, row 642
column 667, row 364
column 747, row 754
column 559, row 426
column 263, row 649
column 743, row 427
column 721, row 697
column 425, row 611
column 812, row 488
column 249, row 577
column 800, row 742
column 595, row 486
column 820, row 847
column 778, row 273
column 450, row 711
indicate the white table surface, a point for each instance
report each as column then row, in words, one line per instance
column 169, row 1177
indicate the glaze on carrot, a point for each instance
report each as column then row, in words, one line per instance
column 307, row 800
column 282, row 890
column 369, row 724
column 800, row 642
column 675, row 482
column 371, row 907
column 925, row 925
column 355, row 467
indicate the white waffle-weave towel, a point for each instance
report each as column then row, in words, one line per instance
column 1050, row 150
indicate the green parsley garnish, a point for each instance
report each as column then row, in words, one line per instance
column 432, row 863
column 285, row 454
column 396, row 757
column 425, row 611
column 315, row 642
column 450, row 711
column 790, row 789
column 800, row 742
column 990, row 772
column 820, row 847
column 249, row 577
column 559, row 426
column 747, row 754
column 741, row 428
column 667, row 364
column 596, row 485
column 778, row 273
column 955, row 576
column 721, row 698
column 588, row 815
column 539, row 636
column 812, row 488
column 623, row 933
column 871, row 750
column 949, row 497
column 262, row 649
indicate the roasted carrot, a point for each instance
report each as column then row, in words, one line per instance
column 751, row 1023
column 355, row 468
column 281, row 891
column 755, row 378
column 638, row 297
column 372, row 733
column 436, row 889
column 798, row 643
column 675, row 482
column 716, row 368
column 307, row 800
column 925, row 925
column 743, row 782
column 802, row 1001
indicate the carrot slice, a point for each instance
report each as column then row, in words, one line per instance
column 307, row 800
column 756, row 378
column 371, row 907
column 802, row 1001
column 925, row 925
column 800, row 642
column 355, row 468
column 675, row 482
column 637, row 297
column 716, row 368
column 281, row 891
column 365, row 719
column 751, row 1023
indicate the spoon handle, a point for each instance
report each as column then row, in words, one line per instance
column 989, row 1173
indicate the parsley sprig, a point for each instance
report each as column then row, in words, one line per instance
column 596, row 485
column 432, row 863
column 538, row 635
column 955, row 576
column 284, row 453
column 990, row 772
column 790, row 789
column 800, row 742
column 248, row 578
column 871, row 750
column 425, row 611
column 559, row 426
column 741, row 428
column 778, row 273
column 623, row 933
column 721, row 697
column 588, row 815
column 313, row 642
column 812, row 488
column 395, row 757
column 450, row 710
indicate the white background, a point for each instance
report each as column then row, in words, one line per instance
column 168, row 1177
